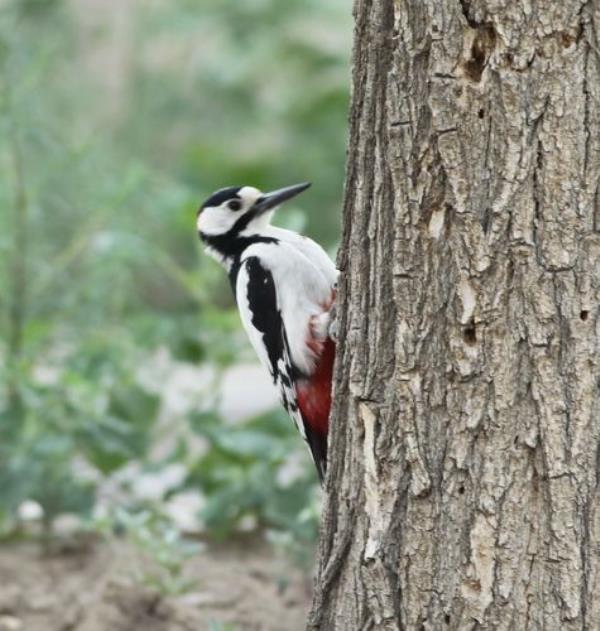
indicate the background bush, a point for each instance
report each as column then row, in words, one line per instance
column 116, row 120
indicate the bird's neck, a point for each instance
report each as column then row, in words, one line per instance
column 227, row 249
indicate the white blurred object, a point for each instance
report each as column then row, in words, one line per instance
column 154, row 486
column 291, row 469
column 246, row 391
column 183, row 509
column 30, row 511
column 46, row 375
column 248, row 523
column 10, row 623
column 67, row 524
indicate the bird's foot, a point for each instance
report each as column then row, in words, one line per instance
column 324, row 325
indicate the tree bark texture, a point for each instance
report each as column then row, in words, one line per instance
column 463, row 488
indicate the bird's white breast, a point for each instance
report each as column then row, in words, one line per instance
column 304, row 277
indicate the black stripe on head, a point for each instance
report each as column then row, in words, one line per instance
column 222, row 195
column 244, row 221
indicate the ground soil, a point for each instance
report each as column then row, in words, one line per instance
column 97, row 586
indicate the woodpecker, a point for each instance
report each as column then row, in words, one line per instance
column 284, row 287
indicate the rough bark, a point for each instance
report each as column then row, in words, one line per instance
column 463, row 490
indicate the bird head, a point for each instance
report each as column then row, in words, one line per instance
column 241, row 210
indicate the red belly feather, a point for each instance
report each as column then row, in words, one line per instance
column 314, row 394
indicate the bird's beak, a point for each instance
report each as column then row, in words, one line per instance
column 274, row 198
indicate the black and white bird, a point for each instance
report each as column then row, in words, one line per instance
column 284, row 286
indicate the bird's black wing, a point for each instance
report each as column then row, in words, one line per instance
column 260, row 311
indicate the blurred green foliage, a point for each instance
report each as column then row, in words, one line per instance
column 164, row 545
column 238, row 475
column 116, row 120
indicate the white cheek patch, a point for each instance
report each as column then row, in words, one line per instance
column 216, row 220
column 213, row 221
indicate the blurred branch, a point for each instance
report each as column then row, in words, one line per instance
column 17, row 299
column 188, row 282
column 66, row 257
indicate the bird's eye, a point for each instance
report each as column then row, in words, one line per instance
column 234, row 205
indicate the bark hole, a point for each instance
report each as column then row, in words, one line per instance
column 485, row 219
column 470, row 334
column 465, row 6
column 461, row 490
column 481, row 113
column 566, row 40
column 483, row 44
column 584, row 315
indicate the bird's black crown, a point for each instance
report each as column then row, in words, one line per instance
column 222, row 195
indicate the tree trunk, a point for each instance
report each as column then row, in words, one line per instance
column 463, row 488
